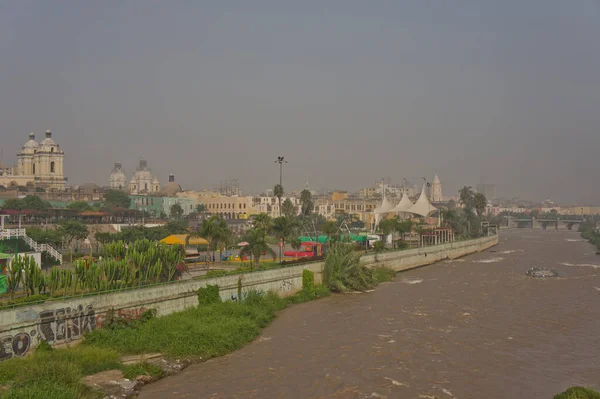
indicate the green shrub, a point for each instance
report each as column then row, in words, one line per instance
column 382, row 274
column 23, row 300
column 317, row 291
column 308, row 280
column 209, row 295
column 131, row 371
column 378, row 246
column 344, row 272
column 578, row 393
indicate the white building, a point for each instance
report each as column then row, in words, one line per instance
column 143, row 182
column 118, row 181
column 38, row 164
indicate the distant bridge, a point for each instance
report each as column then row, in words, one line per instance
column 545, row 223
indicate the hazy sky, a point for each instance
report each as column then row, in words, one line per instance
column 348, row 91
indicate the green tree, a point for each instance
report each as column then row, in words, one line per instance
column 331, row 230
column 79, row 206
column 296, row 243
column 14, row 204
column 72, row 229
column 288, row 209
column 263, row 221
column 53, row 237
column 278, row 192
column 283, row 227
column 176, row 211
column 387, row 227
column 257, row 245
column 201, row 208
column 467, row 197
column 29, row 203
column 210, row 230
column 479, row 203
column 117, row 199
column 307, row 202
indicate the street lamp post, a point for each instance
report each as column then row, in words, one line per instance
column 281, row 161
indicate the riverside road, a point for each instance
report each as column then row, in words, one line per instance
column 476, row 327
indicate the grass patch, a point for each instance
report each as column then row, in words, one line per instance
column 131, row 371
column 209, row 330
column 381, row 274
column 578, row 393
column 56, row 373
column 198, row 333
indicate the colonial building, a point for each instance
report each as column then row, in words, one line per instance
column 118, row 180
column 143, row 182
column 38, row 165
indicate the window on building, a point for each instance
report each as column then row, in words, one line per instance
column 52, row 167
column 52, row 149
column 34, row 169
column 145, row 186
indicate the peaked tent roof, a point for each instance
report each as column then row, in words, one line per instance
column 422, row 207
column 385, row 207
column 404, row 205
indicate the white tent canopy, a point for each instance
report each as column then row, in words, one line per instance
column 404, row 205
column 422, row 207
column 381, row 210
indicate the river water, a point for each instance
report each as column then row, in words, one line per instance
column 475, row 327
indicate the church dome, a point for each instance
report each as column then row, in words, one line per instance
column 48, row 140
column 31, row 145
column 171, row 189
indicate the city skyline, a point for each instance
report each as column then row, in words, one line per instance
column 347, row 92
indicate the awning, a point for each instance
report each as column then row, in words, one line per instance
column 422, row 207
column 180, row 239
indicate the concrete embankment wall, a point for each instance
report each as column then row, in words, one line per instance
column 63, row 321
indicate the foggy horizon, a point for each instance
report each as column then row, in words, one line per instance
column 501, row 92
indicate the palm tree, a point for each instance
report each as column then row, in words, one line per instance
column 278, row 192
column 209, row 230
column 263, row 221
column 283, row 227
column 257, row 245
column 307, row 202
column 296, row 244
column 223, row 237
column 387, row 227
column 330, row 229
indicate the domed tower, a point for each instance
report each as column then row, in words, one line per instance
column 142, row 181
column 117, row 177
column 436, row 190
column 25, row 162
column 49, row 164
column 171, row 189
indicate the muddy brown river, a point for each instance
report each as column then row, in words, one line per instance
column 475, row 327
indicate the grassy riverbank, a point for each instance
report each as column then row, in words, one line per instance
column 578, row 393
column 196, row 334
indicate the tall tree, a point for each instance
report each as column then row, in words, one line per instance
column 467, row 197
column 209, row 230
column 278, row 192
column 117, row 199
column 257, row 245
column 176, row 211
column 479, row 203
column 288, row 209
column 331, row 230
column 307, row 202
column 72, row 229
column 283, row 228
column 387, row 227
column 263, row 221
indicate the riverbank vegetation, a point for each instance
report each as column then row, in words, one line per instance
column 213, row 328
column 578, row 393
column 138, row 264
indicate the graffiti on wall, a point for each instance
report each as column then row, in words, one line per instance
column 59, row 326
